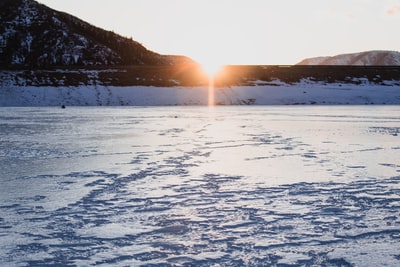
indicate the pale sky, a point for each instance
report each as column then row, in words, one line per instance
column 247, row 31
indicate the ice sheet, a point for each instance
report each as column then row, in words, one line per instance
column 181, row 186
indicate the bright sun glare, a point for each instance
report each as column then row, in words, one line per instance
column 211, row 68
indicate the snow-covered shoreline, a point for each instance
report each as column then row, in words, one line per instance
column 304, row 93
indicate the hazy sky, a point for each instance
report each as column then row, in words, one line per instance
column 247, row 31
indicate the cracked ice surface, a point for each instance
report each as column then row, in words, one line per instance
column 198, row 186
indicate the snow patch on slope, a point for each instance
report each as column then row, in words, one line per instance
column 369, row 58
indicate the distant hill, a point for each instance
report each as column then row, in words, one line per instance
column 34, row 35
column 369, row 58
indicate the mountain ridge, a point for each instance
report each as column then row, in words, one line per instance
column 367, row 58
column 34, row 35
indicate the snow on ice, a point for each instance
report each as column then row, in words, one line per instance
column 304, row 92
column 199, row 186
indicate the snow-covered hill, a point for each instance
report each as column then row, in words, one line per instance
column 369, row 58
column 34, row 35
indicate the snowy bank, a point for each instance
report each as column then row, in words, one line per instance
column 305, row 92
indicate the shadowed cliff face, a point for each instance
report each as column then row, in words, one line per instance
column 34, row 35
column 5, row 2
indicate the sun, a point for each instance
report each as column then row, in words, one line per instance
column 211, row 67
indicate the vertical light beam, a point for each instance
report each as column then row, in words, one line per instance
column 211, row 91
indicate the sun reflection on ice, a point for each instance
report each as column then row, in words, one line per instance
column 211, row 91
column 211, row 69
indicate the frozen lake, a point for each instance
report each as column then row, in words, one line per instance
column 199, row 186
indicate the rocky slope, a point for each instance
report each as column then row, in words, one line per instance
column 34, row 35
column 369, row 58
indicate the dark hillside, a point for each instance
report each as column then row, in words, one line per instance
column 248, row 75
column 192, row 75
column 36, row 36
